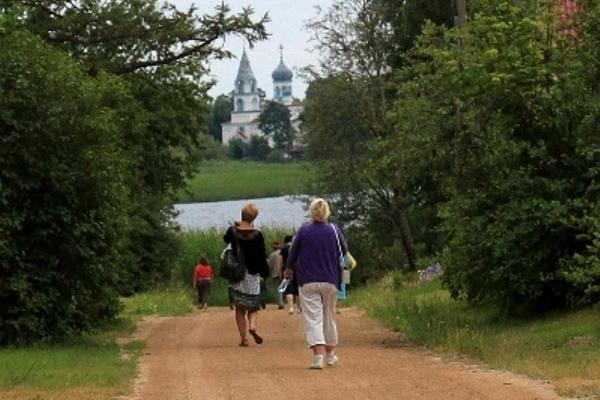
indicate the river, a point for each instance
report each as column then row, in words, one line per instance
column 274, row 212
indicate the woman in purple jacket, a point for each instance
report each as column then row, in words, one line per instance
column 314, row 258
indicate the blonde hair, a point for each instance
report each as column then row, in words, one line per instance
column 319, row 210
column 249, row 212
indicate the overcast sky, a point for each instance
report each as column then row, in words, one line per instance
column 286, row 28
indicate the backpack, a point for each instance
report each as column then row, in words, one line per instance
column 233, row 268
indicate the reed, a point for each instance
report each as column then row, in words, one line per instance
column 195, row 243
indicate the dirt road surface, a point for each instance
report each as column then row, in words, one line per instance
column 198, row 357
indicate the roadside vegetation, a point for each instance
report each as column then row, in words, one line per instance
column 98, row 365
column 231, row 180
column 560, row 346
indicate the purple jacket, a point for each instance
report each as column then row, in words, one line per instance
column 315, row 254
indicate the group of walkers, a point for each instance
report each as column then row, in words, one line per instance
column 310, row 260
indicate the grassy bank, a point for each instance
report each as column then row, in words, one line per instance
column 563, row 347
column 94, row 366
column 231, row 180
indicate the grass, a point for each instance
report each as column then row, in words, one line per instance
column 94, row 366
column 233, row 180
column 563, row 347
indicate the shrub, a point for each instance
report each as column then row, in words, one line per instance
column 62, row 192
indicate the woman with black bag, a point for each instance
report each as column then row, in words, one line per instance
column 245, row 294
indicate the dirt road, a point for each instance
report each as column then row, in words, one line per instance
column 198, row 357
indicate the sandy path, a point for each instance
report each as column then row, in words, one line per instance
column 198, row 357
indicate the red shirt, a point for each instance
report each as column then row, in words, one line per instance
column 203, row 272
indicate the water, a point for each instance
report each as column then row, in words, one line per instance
column 276, row 212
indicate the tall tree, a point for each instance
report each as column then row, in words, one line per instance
column 353, row 38
column 221, row 112
column 274, row 121
column 102, row 106
column 162, row 53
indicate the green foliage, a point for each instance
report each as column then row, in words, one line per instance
column 210, row 149
column 91, row 164
column 165, row 155
column 346, row 117
column 274, row 121
column 258, row 148
column 125, row 36
column 62, row 183
column 237, row 148
column 500, row 118
column 221, row 112
column 277, row 156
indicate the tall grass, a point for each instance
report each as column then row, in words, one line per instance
column 563, row 347
column 232, row 180
column 210, row 243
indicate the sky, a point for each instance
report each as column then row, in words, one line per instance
column 286, row 28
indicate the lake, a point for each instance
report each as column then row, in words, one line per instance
column 276, row 212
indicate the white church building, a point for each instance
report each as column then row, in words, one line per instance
column 249, row 101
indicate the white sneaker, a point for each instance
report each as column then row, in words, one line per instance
column 331, row 359
column 317, row 362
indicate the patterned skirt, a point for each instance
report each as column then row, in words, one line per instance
column 246, row 292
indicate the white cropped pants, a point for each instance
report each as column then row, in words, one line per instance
column 318, row 301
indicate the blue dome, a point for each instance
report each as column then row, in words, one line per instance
column 282, row 73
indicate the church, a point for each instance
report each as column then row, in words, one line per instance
column 249, row 101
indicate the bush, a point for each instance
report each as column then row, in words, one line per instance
column 238, row 149
column 277, row 156
column 258, row 148
column 62, row 191
column 212, row 149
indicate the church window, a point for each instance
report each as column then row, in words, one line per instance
column 239, row 105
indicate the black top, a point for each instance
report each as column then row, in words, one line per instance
column 252, row 244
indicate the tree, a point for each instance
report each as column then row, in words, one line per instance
column 274, row 121
column 162, row 54
column 125, row 36
column 100, row 128
column 501, row 115
column 354, row 39
column 221, row 112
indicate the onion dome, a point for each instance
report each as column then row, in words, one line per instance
column 282, row 73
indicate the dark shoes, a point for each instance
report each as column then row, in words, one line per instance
column 257, row 338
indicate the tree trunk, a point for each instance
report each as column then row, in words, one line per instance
column 461, row 12
column 405, row 231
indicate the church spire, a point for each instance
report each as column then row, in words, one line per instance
column 244, row 71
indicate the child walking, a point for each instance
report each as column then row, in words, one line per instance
column 203, row 275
